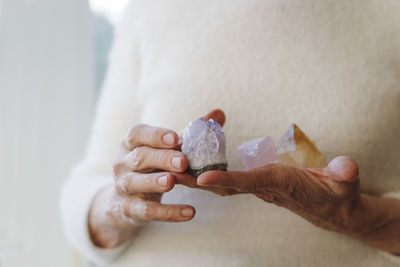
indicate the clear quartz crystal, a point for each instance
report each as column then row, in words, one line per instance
column 204, row 144
column 257, row 153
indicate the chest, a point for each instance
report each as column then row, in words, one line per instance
column 332, row 67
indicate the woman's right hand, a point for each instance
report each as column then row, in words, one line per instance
column 143, row 170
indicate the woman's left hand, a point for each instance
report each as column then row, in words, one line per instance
column 329, row 198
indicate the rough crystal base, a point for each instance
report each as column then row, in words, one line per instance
column 214, row 167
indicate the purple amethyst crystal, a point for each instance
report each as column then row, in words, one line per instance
column 204, row 144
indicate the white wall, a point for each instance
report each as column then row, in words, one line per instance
column 46, row 104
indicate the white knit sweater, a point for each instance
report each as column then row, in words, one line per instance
column 332, row 67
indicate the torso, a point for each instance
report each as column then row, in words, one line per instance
column 332, row 67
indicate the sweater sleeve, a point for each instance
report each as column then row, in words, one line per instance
column 393, row 258
column 117, row 111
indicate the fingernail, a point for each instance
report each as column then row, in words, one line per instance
column 200, row 182
column 176, row 162
column 187, row 212
column 169, row 139
column 163, row 181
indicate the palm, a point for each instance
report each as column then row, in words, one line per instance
column 314, row 194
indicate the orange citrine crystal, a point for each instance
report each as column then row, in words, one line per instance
column 296, row 149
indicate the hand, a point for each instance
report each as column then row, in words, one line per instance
column 315, row 194
column 329, row 198
column 326, row 197
column 146, row 165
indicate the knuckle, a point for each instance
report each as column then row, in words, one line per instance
column 136, row 157
column 143, row 210
column 125, row 207
column 147, row 211
column 168, row 214
column 121, row 184
column 141, row 131
column 137, row 130
column 126, row 212
column 118, row 167
column 134, row 134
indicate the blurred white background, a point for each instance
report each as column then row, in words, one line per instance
column 52, row 62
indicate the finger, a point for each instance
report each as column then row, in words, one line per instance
column 145, row 158
column 343, row 169
column 217, row 115
column 145, row 135
column 134, row 182
column 186, row 179
column 190, row 181
column 274, row 176
column 230, row 179
column 343, row 175
column 144, row 210
column 179, row 143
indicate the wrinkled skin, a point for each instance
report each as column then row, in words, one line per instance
column 329, row 198
column 148, row 160
column 312, row 193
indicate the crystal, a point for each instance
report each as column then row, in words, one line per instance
column 204, row 144
column 296, row 149
column 258, row 153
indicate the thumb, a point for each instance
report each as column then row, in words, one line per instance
column 343, row 169
column 343, row 173
column 217, row 115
